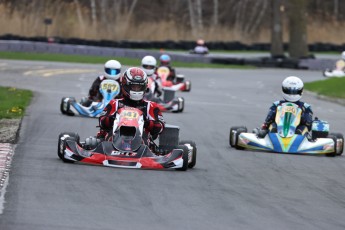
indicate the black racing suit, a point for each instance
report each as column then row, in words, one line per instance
column 306, row 116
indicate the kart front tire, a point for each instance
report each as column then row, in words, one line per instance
column 239, row 131
column 182, row 105
column 62, row 106
column 232, row 135
column 194, row 153
column 62, row 144
column 184, row 157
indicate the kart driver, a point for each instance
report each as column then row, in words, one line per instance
column 165, row 61
column 112, row 70
column 292, row 88
column 200, row 47
column 133, row 87
column 149, row 64
column 340, row 64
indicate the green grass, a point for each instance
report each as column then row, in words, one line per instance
column 13, row 102
column 102, row 60
column 331, row 87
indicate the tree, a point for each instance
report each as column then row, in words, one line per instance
column 298, row 46
column 276, row 29
column 215, row 12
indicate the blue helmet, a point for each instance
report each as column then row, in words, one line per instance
column 165, row 59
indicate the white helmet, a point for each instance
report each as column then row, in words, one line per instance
column 112, row 69
column 343, row 55
column 292, row 88
column 148, row 63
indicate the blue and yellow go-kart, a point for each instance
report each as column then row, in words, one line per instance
column 109, row 90
column 285, row 140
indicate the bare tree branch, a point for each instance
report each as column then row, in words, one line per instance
column 93, row 12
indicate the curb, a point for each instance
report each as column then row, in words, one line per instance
column 9, row 133
column 326, row 98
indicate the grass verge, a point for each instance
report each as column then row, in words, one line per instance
column 102, row 60
column 331, row 87
column 13, row 102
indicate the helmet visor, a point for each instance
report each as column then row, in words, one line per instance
column 148, row 66
column 137, row 87
column 292, row 91
column 112, row 71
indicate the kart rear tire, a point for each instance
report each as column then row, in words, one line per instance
column 189, row 87
column 62, row 144
column 184, row 157
column 340, row 141
column 194, row 153
column 233, row 130
column 239, row 131
column 334, row 153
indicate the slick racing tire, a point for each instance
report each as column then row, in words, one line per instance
column 232, row 135
column 239, row 131
column 62, row 144
column 188, row 86
column 334, row 153
column 194, row 151
column 339, row 143
column 182, row 105
column 66, row 110
column 184, row 157
column 63, row 111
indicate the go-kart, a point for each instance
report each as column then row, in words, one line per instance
column 337, row 72
column 334, row 73
column 109, row 90
column 201, row 50
column 283, row 139
column 129, row 146
column 178, row 84
column 169, row 102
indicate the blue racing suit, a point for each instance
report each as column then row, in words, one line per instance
column 306, row 117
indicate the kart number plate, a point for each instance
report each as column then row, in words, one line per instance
column 129, row 115
column 289, row 109
column 110, row 86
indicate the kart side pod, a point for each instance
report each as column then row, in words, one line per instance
column 320, row 129
column 169, row 138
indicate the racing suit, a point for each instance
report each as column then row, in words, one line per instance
column 306, row 117
column 172, row 74
column 200, row 49
column 340, row 65
column 158, row 84
column 154, row 122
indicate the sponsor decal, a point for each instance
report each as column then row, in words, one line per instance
column 117, row 153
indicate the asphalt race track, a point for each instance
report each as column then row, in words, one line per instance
column 228, row 188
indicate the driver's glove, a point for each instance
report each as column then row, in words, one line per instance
column 264, row 126
column 154, row 127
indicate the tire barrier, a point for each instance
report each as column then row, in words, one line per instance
column 83, row 47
